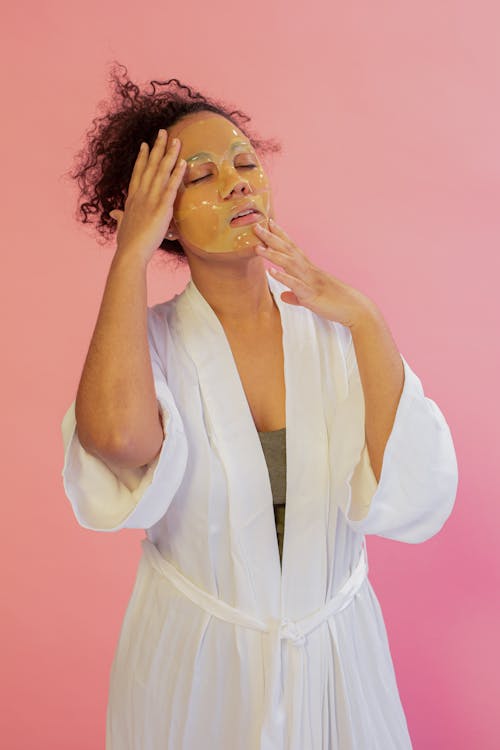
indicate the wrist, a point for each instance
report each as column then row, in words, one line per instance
column 367, row 314
column 129, row 255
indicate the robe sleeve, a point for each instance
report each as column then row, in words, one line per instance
column 418, row 483
column 106, row 499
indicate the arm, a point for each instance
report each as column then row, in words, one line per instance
column 105, row 493
column 382, row 377
column 409, row 496
column 116, row 406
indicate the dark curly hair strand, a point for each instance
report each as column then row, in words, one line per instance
column 103, row 167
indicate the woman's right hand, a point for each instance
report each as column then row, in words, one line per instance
column 153, row 187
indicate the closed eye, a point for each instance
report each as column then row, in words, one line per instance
column 241, row 166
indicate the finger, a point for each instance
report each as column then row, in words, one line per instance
column 117, row 215
column 281, row 259
column 139, row 166
column 277, row 231
column 165, row 168
column 290, row 297
column 155, row 157
column 298, row 287
column 173, row 184
column 271, row 239
column 291, row 258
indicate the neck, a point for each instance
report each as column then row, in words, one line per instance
column 237, row 292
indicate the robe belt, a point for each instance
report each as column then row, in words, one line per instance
column 294, row 631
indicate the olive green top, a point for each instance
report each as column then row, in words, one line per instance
column 274, row 449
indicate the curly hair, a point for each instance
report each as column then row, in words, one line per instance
column 103, row 167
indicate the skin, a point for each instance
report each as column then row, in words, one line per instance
column 224, row 264
column 229, row 272
column 235, row 285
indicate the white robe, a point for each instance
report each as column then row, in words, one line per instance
column 219, row 647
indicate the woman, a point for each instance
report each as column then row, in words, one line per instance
column 186, row 412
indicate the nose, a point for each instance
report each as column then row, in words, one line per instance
column 241, row 188
column 234, row 184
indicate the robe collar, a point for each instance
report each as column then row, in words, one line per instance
column 300, row 585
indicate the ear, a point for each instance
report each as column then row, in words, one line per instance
column 171, row 233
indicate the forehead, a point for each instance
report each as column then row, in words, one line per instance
column 206, row 132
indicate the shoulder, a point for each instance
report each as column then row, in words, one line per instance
column 160, row 315
column 159, row 318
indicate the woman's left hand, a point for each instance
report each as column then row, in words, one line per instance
column 311, row 287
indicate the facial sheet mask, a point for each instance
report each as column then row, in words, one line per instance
column 205, row 204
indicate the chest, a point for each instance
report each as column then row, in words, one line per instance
column 260, row 363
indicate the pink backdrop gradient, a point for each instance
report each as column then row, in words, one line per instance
column 389, row 117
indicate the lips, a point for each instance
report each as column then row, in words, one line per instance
column 245, row 207
column 242, row 221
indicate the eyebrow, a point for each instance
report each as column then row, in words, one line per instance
column 209, row 156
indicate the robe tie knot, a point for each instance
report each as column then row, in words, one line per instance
column 290, row 630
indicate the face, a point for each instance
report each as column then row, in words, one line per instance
column 222, row 176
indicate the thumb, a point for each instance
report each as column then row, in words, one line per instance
column 117, row 215
column 290, row 297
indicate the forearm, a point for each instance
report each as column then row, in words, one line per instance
column 381, row 372
column 116, row 404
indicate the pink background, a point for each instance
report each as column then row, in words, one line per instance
column 389, row 178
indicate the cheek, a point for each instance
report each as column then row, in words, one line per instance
column 258, row 178
column 200, row 213
column 200, row 218
column 262, row 187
